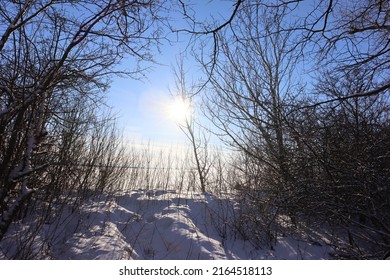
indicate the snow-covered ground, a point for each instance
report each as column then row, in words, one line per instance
column 161, row 225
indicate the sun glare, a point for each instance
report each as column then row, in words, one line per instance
column 179, row 110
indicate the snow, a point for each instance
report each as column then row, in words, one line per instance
column 159, row 225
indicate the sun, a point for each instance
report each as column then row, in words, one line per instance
column 179, row 110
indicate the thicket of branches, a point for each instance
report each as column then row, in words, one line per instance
column 56, row 61
column 313, row 153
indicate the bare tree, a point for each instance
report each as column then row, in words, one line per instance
column 252, row 88
column 191, row 128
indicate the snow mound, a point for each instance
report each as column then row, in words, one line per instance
column 164, row 225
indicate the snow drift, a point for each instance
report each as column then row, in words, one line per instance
column 160, row 225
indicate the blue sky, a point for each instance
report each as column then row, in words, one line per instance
column 139, row 105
